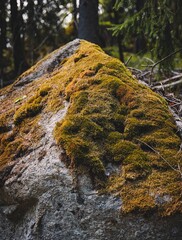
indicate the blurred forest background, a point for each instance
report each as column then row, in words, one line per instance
column 144, row 34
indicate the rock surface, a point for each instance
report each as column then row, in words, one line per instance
column 42, row 196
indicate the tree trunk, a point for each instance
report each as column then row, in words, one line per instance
column 119, row 38
column 140, row 40
column 18, row 51
column 40, row 6
column 88, row 27
column 2, row 37
column 31, row 30
column 74, row 16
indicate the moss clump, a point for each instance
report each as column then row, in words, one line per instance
column 44, row 91
column 81, row 56
column 12, row 148
column 73, row 132
column 135, row 127
column 110, row 116
column 122, row 149
column 138, row 160
column 33, row 106
column 29, row 109
column 4, row 124
column 159, row 192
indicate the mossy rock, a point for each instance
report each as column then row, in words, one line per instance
column 112, row 118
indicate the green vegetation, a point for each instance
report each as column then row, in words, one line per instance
column 32, row 107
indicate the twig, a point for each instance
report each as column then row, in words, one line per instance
column 135, row 69
column 144, row 74
column 42, row 43
column 150, row 60
column 126, row 63
column 172, row 78
column 162, row 60
column 167, row 85
column 178, row 170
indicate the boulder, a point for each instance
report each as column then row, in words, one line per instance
column 87, row 152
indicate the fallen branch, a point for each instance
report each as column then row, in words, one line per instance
column 171, row 78
column 162, row 60
column 149, row 60
column 144, row 74
column 126, row 63
column 167, row 85
column 135, row 69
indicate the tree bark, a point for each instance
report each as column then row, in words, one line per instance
column 88, row 27
column 2, row 36
column 74, row 14
column 119, row 38
column 31, row 30
column 140, row 43
column 18, row 51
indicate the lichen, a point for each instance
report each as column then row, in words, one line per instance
column 111, row 119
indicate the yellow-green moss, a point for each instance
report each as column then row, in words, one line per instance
column 158, row 192
column 33, row 106
column 109, row 112
column 12, row 148
column 122, row 149
column 44, row 91
column 27, row 110
column 3, row 124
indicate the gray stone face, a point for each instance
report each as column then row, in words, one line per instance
column 62, row 213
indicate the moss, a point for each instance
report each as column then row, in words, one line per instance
column 138, row 160
column 114, row 137
column 136, row 199
column 44, row 91
column 81, row 56
column 136, row 128
column 122, row 149
column 109, row 112
column 80, row 100
column 97, row 67
column 161, row 138
column 10, row 150
column 29, row 110
column 3, row 124
column 32, row 107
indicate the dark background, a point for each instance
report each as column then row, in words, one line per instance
column 146, row 30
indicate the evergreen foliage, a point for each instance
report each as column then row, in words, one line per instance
column 159, row 21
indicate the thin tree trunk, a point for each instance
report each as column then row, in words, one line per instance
column 75, row 11
column 40, row 6
column 31, row 30
column 18, row 51
column 2, row 37
column 74, row 14
column 140, row 40
column 120, row 47
column 88, row 27
column 119, row 38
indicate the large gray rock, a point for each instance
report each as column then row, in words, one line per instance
column 42, row 199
